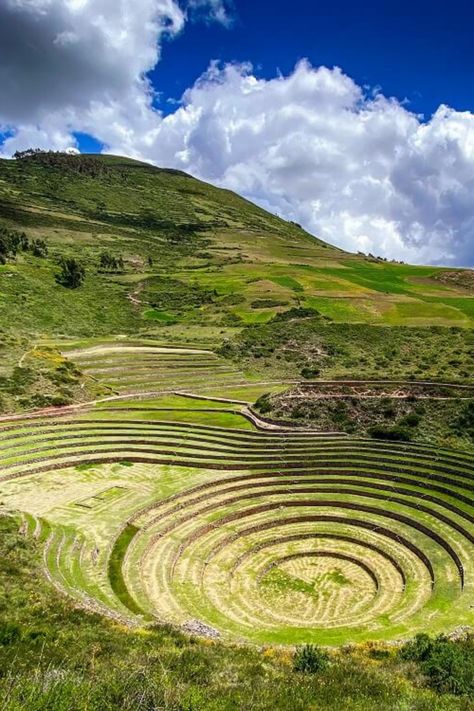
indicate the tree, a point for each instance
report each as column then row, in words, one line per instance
column 104, row 260
column 72, row 273
column 29, row 153
column 39, row 248
column 108, row 262
column 11, row 242
column 4, row 248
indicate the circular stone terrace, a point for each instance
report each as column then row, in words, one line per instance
column 253, row 533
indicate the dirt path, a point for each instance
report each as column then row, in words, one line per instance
column 401, row 383
column 71, row 409
column 25, row 354
column 134, row 296
column 358, row 396
column 194, row 396
column 149, row 394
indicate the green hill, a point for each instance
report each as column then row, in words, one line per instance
column 192, row 254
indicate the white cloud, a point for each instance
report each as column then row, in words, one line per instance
column 65, row 54
column 214, row 10
column 357, row 169
column 360, row 171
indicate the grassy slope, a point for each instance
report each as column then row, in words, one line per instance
column 228, row 260
column 312, row 348
column 200, row 263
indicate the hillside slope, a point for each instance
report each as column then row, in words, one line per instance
column 191, row 254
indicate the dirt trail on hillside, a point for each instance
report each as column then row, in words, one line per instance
column 133, row 296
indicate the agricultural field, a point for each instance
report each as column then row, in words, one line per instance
column 222, row 433
column 168, row 504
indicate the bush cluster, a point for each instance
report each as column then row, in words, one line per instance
column 310, row 659
column 72, row 273
column 12, row 242
column 393, row 434
column 447, row 664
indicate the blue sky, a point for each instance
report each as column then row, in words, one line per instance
column 375, row 156
column 420, row 50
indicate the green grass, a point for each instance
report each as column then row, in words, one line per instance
column 280, row 581
column 288, row 282
column 115, row 569
column 161, row 316
column 175, row 402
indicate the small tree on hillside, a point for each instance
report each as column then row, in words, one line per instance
column 39, row 248
column 108, row 262
column 11, row 242
column 72, row 273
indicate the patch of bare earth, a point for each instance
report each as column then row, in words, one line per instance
column 463, row 278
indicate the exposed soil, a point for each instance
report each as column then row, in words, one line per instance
column 463, row 278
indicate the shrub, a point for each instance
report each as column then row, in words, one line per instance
column 231, row 319
column 393, row 434
column 294, row 313
column 308, row 372
column 9, row 633
column 108, row 262
column 465, row 421
column 267, row 303
column 411, row 420
column 417, row 649
column 448, row 665
column 232, row 299
column 310, row 659
column 61, row 400
column 72, row 273
column 264, row 404
column 39, row 248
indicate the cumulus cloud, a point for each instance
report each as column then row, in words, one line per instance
column 68, row 54
column 359, row 170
